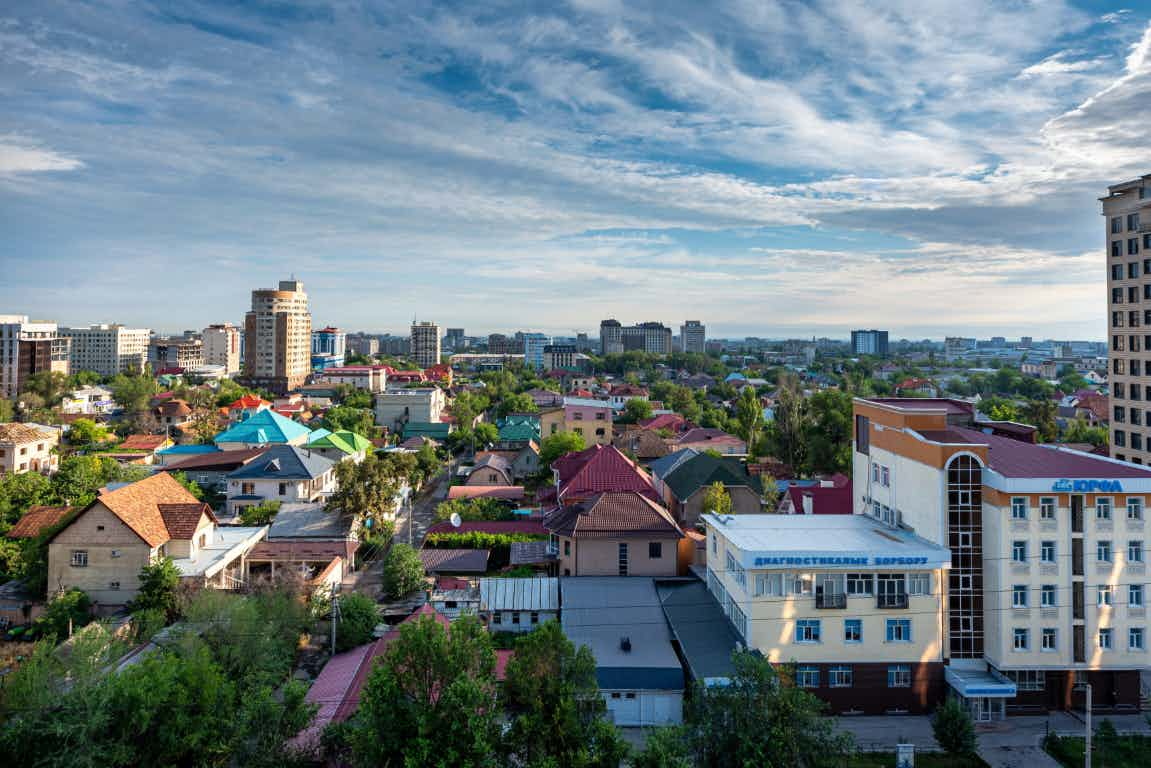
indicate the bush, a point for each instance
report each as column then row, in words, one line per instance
column 358, row 620
column 147, row 622
column 159, row 583
column 498, row 544
column 475, row 509
column 259, row 514
column 953, row 728
column 72, row 607
column 403, row 572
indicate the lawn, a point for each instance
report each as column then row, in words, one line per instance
column 1113, row 752
column 922, row 760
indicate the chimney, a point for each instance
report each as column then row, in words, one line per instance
column 625, row 644
column 808, row 504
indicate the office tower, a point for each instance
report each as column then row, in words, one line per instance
column 425, row 344
column 610, row 337
column 454, row 338
column 27, row 348
column 363, row 344
column 329, row 348
column 693, row 336
column 222, row 347
column 651, row 337
column 278, row 338
column 1127, row 216
column 871, row 342
column 108, row 349
column 534, row 344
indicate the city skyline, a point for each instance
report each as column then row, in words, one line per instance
column 796, row 170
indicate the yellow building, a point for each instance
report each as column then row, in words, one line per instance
column 590, row 419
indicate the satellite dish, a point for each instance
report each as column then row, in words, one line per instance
column 455, row 518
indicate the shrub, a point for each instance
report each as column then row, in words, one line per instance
column 403, row 572
column 498, row 544
column 73, row 606
column 358, row 619
column 953, row 728
column 159, row 585
column 259, row 514
column 475, row 509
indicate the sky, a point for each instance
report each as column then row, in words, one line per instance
column 769, row 167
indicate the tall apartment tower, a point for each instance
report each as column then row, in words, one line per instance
column 871, row 342
column 1127, row 214
column 425, row 344
column 610, row 337
column 278, row 338
column 27, row 348
column 222, row 347
column 108, row 349
column 693, row 336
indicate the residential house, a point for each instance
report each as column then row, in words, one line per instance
column 545, row 398
column 210, row 470
column 265, row 427
column 671, row 423
column 518, row 605
column 454, row 597
column 519, row 427
column 102, row 549
column 643, row 444
column 284, row 473
column 917, row 387
column 372, row 378
column 621, row 393
column 490, row 469
column 682, row 481
column 172, row 414
column 319, row 564
column 709, row 439
column 587, row 473
column 616, row 533
column 340, row 445
column 89, row 401
column 38, row 519
column 246, row 407
column 522, row 458
column 306, row 525
column 455, row 561
column 591, row 419
column 821, row 497
column 27, row 448
column 394, row 409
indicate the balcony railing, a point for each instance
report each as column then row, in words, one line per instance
column 831, row 600
column 891, row 600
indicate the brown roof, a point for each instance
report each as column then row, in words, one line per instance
column 613, row 515
column 138, row 505
column 36, row 519
column 182, row 520
column 301, row 551
column 174, row 408
column 222, row 460
column 142, row 442
column 455, row 560
column 22, row 433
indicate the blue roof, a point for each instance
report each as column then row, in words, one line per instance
column 284, row 462
column 263, row 428
column 735, row 376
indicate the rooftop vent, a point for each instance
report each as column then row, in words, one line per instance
column 625, row 644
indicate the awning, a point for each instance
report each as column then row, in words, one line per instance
column 971, row 683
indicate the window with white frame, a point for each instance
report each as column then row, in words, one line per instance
column 769, row 584
column 736, row 570
column 801, row 584
column 886, row 481
column 738, row 618
column 1018, row 507
column 807, row 677
column 899, row 630
column 807, row 631
column 1103, row 508
column 899, row 676
column 1047, row 552
column 79, row 558
column 1134, row 595
column 1047, row 508
column 1047, row 596
column 1049, row 640
column 1104, row 595
column 1135, row 638
column 1020, row 638
column 1103, row 551
column 853, row 630
column 1134, row 508
column 919, row 583
column 860, row 583
column 840, row 676
column 875, row 472
column 1019, row 596
column 1105, row 639
column 1135, row 551
column 1019, row 551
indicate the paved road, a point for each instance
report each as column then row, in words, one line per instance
column 423, row 512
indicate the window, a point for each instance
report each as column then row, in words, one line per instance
column 714, row 544
column 807, row 631
column 114, row 586
column 116, row 553
column 1132, row 246
column 840, row 677
column 899, row 676
column 919, row 583
column 1134, row 508
column 1047, row 551
column 860, row 584
column 1019, row 551
column 769, row 584
column 655, row 550
column 1105, row 639
column 1132, row 222
column 1049, row 639
column 535, row 617
column 801, row 584
column 1047, row 596
column 1018, row 508
column 1116, row 225
column 1020, row 638
column 1019, row 596
column 1103, row 506
column 1104, row 595
column 1103, row 551
column 623, row 559
column 568, row 547
column 1135, row 639
column 515, row 617
column 1134, row 595
column 1135, row 551
column 807, row 677
column 875, row 472
column 853, row 630
column 899, row 630
column 79, row 558
column 886, row 477
column 1027, row 679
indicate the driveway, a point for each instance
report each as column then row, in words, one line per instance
column 1013, row 743
column 411, row 530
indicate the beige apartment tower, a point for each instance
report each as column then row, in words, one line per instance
column 108, row 349
column 425, row 344
column 1127, row 216
column 278, row 338
column 222, row 347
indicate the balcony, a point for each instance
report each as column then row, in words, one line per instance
column 836, row 600
column 891, row 600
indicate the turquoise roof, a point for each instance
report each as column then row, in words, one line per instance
column 434, row 430
column 263, row 428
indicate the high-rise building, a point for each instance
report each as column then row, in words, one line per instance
column 1127, row 213
column 651, row 337
column 534, row 344
column 222, row 347
column 610, row 337
column 278, row 338
column 499, row 344
column 454, row 338
column 27, row 348
column 108, row 349
column 693, row 336
column 363, row 344
column 329, row 348
column 166, row 352
column 425, row 344
column 871, row 342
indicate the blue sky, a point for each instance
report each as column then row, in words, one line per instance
column 769, row 167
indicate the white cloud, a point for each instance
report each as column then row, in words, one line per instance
column 18, row 155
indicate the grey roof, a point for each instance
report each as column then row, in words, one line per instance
column 284, row 462
column 531, row 594
column 308, row 520
column 531, row 552
column 495, row 462
column 601, row 612
column 705, row 636
column 664, row 465
column 455, row 560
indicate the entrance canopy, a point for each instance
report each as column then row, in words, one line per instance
column 970, row 683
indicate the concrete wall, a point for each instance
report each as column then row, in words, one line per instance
column 600, row 557
column 115, row 554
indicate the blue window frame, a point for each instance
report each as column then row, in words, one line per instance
column 899, row 630
column 807, row 631
column 853, row 630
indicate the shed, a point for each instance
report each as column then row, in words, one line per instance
column 519, row 605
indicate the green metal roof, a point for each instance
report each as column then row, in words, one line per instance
column 345, row 440
column 434, row 430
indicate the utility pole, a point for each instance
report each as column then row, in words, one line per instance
column 335, row 617
column 1087, row 747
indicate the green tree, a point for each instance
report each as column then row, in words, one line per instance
column 367, row 489
column 133, row 393
column 427, row 463
column 190, row 485
column 467, row 406
column 429, row 701
column 951, row 724
column 1041, row 414
column 7, row 411
column 358, row 420
column 749, row 414
column 66, row 611
column 828, row 432
column 636, row 409
column 518, row 403
column 554, row 705
column 716, row 499
column 1079, row 431
column 79, row 478
column 999, row 409
column 85, row 432
column 486, row 434
column 403, row 571
column 259, row 514
column 159, row 586
column 358, row 619
column 559, row 444
column 786, row 436
column 49, row 385
column 771, row 493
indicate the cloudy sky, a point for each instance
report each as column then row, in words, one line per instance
column 767, row 166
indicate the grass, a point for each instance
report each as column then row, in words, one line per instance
column 922, row 760
column 1114, row 752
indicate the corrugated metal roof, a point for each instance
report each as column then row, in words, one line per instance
column 535, row 594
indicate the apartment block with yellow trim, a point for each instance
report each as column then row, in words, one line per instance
column 1047, row 583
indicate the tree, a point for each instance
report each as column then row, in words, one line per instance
column 716, row 499
column 259, row 514
column 771, row 493
column 358, row 420
column 403, row 571
column 429, row 701
column 159, row 585
column 367, row 489
column 467, row 406
column 80, row 477
column 953, row 728
column 759, row 718
column 358, row 620
column 1079, row 431
column 827, row 432
column 49, row 385
column 554, row 704
column 7, row 410
column 999, row 409
column 428, row 464
column 1041, row 414
column 133, row 393
column 190, row 485
column 85, row 432
column 67, row 611
column 749, row 414
column 519, row 403
column 636, row 410
column 559, row 444
column 486, row 434
column 786, row 435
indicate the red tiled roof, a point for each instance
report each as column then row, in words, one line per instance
column 600, row 469
column 706, row 435
column 672, row 421
column 182, row 519
column 528, row 525
column 142, row 442
column 248, row 401
column 1014, row 458
column 36, row 519
column 833, row 500
column 613, row 515
column 509, row 492
column 174, row 408
column 138, row 505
